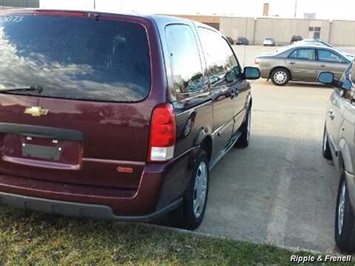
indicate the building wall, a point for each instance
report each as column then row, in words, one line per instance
column 237, row 27
column 342, row 33
column 337, row 32
column 256, row 30
column 20, row 3
column 279, row 29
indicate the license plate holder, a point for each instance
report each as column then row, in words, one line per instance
column 41, row 152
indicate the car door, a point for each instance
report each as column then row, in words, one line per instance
column 340, row 106
column 90, row 114
column 302, row 64
column 189, row 92
column 224, row 93
column 334, row 117
column 347, row 130
column 237, row 85
column 331, row 61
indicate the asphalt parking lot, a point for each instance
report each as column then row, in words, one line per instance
column 279, row 190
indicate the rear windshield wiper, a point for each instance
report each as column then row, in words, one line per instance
column 37, row 89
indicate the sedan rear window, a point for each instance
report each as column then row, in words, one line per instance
column 75, row 57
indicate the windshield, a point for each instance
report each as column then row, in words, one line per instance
column 74, row 57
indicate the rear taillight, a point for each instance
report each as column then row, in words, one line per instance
column 162, row 134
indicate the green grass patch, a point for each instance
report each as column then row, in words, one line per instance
column 30, row 238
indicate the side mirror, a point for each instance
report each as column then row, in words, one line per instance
column 326, row 77
column 346, row 85
column 251, row 73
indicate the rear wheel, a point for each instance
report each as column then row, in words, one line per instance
column 190, row 214
column 344, row 220
column 280, row 76
column 325, row 147
column 243, row 140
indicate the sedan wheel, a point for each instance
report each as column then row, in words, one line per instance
column 280, row 77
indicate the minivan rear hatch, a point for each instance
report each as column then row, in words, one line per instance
column 72, row 91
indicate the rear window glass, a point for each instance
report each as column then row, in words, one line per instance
column 75, row 57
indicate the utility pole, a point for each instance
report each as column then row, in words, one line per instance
column 295, row 9
column 94, row 4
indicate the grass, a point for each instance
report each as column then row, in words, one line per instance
column 30, row 238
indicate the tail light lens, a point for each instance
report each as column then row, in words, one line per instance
column 162, row 134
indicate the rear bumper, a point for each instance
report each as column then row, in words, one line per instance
column 74, row 209
column 160, row 190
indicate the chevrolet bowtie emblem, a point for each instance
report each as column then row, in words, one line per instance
column 36, row 111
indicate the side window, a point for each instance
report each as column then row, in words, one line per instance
column 184, row 59
column 303, row 54
column 329, row 56
column 219, row 57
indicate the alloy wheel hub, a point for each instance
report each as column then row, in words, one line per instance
column 200, row 189
column 280, row 77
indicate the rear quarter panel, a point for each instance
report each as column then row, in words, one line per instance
column 193, row 115
column 267, row 64
column 194, row 112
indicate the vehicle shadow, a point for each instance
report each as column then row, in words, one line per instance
column 279, row 190
column 308, row 84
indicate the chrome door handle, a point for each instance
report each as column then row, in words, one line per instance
column 292, row 63
column 322, row 65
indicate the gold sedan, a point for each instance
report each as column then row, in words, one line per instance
column 302, row 63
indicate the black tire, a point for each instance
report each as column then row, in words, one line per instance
column 280, row 76
column 186, row 216
column 344, row 220
column 244, row 138
column 325, row 146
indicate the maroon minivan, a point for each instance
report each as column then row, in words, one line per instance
column 116, row 116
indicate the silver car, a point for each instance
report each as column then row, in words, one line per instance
column 302, row 63
column 339, row 145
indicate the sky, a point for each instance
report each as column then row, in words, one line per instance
column 324, row 9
